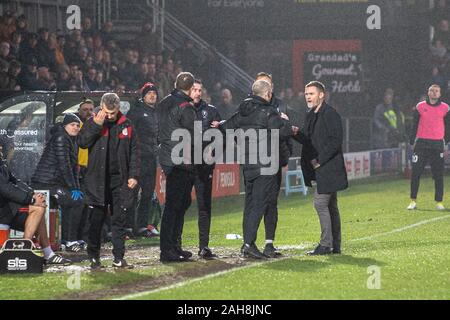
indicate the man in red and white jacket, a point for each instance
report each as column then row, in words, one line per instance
column 430, row 131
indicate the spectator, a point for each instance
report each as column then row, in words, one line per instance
column 88, row 30
column 63, row 81
column 107, row 32
column 131, row 69
column 97, row 42
column 115, row 52
column 56, row 50
column 98, row 59
column 76, row 36
column 45, row 79
column 389, row 123
column 22, row 26
column 226, row 106
column 15, row 44
column 209, row 70
column 99, row 82
column 5, row 54
column 83, row 53
column 142, row 75
column 439, row 12
column 121, row 89
column 439, row 54
column 216, row 93
column 27, row 78
column 45, row 55
column 187, row 56
column 437, row 78
column 159, row 61
column 28, row 50
column 69, row 50
column 90, row 79
column 147, row 40
column 8, row 79
column 7, row 26
column 443, row 32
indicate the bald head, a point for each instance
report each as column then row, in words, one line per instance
column 227, row 97
column 263, row 89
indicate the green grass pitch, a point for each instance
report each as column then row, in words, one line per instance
column 388, row 253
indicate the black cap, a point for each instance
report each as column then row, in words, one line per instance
column 69, row 118
column 148, row 87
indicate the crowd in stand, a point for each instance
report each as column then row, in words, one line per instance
column 93, row 60
column 440, row 44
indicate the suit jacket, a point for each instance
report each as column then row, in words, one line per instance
column 322, row 138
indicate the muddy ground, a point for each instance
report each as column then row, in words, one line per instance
column 144, row 256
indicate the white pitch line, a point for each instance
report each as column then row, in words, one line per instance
column 183, row 283
column 403, row 228
column 213, row 275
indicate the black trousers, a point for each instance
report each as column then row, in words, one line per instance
column 97, row 216
column 83, row 229
column 260, row 195
column 179, row 184
column 435, row 158
column 71, row 210
column 271, row 215
column 203, row 190
column 147, row 181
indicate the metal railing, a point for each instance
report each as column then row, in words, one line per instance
column 174, row 33
column 358, row 133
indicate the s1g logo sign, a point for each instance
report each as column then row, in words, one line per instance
column 17, row 264
column 73, row 21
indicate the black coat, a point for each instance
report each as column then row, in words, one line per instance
column 286, row 147
column 58, row 165
column 206, row 113
column 322, row 138
column 13, row 194
column 145, row 122
column 256, row 113
column 95, row 138
column 176, row 111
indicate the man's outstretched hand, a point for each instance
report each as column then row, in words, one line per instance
column 132, row 183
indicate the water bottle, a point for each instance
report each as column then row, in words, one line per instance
column 233, row 236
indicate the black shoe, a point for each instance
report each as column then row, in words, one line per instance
column 95, row 264
column 206, row 254
column 184, row 253
column 74, row 248
column 271, row 252
column 171, row 256
column 122, row 264
column 337, row 250
column 56, row 259
column 319, row 251
column 252, row 251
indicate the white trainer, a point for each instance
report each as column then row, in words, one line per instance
column 440, row 206
column 412, row 205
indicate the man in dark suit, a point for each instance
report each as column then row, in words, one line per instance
column 322, row 160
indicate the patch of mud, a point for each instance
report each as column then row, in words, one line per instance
column 148, row 257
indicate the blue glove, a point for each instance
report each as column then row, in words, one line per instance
column 77, row 194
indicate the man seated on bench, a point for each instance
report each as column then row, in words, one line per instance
column 24, row 210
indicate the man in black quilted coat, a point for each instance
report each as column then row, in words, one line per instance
column 57, row 171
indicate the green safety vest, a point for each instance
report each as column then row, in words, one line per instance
column 391, row 117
